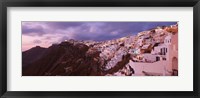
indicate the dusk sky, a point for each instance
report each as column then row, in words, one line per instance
column 44, row 34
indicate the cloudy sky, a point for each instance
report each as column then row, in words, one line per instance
column 45, row 34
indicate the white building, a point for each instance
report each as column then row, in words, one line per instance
column 165, row 55
column 149, row 57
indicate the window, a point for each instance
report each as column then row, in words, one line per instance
column 157, row 58
column 164, row 51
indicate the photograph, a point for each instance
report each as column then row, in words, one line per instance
column 99, row 48
column 107, row 48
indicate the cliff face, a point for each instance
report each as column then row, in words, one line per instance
column 64, row 59
column 67, row 59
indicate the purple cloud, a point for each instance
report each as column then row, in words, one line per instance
column 49, row 32
column 63, row 25
column 37, row 41
column 48, row 38
column 39, row 30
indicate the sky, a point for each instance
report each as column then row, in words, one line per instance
column 45, row 34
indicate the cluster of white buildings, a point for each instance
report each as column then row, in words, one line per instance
column 163, row 58
column 151, row 55
column 153, row 52
column 116, row 58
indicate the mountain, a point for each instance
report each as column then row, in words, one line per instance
column 59, row 58
column 68, row 59
column 32, row 55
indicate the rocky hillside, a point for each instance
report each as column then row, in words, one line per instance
column 32, row 55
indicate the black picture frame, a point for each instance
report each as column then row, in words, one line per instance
column 98, row 3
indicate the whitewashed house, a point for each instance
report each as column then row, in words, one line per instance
column 149, row 57
column 165, row 56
